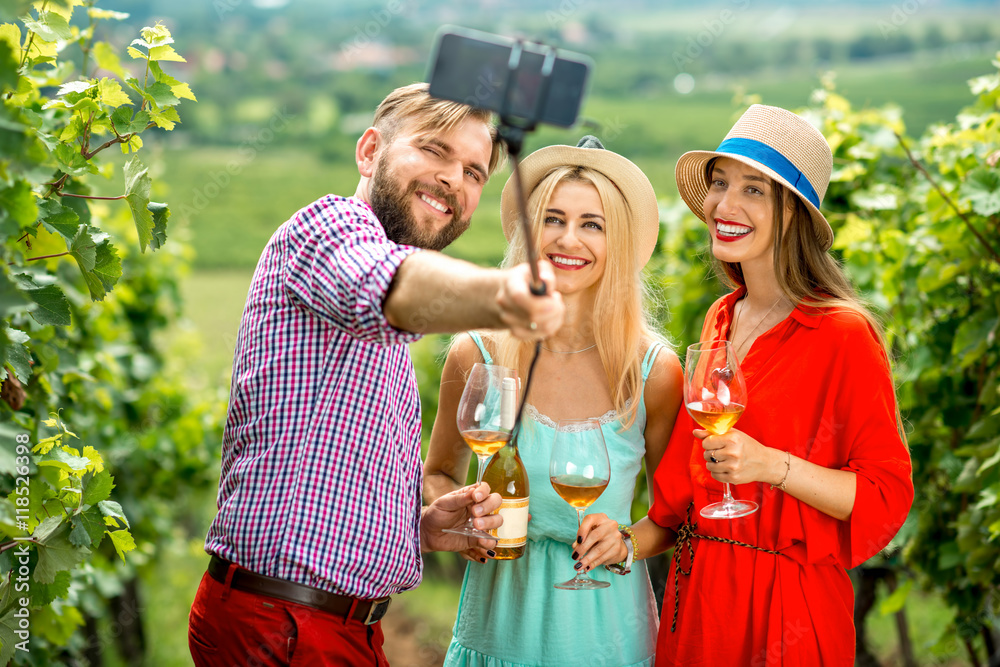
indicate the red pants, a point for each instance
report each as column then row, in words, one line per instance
column 231, row 628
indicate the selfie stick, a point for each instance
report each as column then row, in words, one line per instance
column 512, row 132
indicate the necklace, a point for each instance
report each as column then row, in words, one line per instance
column 756, row 326
column 570, row 351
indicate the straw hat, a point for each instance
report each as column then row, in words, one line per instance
column 590, row 153
column 776, row 142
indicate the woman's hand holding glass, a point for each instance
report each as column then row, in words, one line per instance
column 580, row 470
column 599, row 542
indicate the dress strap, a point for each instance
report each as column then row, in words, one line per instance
column 647, row 362
column 482, row 347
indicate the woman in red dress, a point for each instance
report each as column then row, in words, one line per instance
column 819, row 447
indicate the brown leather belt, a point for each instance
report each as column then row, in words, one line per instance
column 366, row 611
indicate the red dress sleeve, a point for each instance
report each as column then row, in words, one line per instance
column 878, row 456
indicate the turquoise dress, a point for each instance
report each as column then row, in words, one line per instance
column 511, row 616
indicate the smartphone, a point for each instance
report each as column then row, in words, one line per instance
column 523, row 80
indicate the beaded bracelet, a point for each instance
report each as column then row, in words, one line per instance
column 788, row 468
column 631, row 535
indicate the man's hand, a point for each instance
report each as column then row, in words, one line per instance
column 451, row 511
column 530, row 317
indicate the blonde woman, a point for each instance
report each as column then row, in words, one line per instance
column 595, row 219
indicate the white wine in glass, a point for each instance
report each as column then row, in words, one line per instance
column 479, row 423
column 715, row 395
column 579, row 470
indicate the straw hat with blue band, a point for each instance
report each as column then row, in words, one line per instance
column 776, row 142
column 589, row 152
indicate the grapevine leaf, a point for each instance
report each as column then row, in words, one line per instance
column 161, row 213
column 972, row 337
column 106, row 272
column 153, row 36
column 78, row 536
column 17, row 207
column 982, row 188
column 59, row 219
column 897, row 600
column 77, row 464
column 53, row 308
column 98, row 488
column 95, row 13
column 107, row 59
column 162, row 95
column 96, row 461
column 110, row 93
column 111, row 509
column 50, row 26
column 45, row 594
column 136, row 53
column 11, row 35
column 58, row 554
column 180, row 89
column 12, row 300
column 93, row 523
column 17, row 353
column 137, row 185
column 72, row 162
column 123, row 541
column 165, row 53
column 165, row 118
column 84, row 249
column 8, row 640
column 47, row 528
column 8, row 66
column 124, row 122
column 76, row 87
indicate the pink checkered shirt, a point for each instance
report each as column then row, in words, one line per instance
column 321, row 471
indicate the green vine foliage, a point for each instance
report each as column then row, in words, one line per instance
column 102, row 445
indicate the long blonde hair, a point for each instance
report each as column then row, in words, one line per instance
column 621, row 324
column 807, row 274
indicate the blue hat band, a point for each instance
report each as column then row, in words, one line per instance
column 773, row 160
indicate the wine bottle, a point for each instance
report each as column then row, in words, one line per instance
column 506, row 475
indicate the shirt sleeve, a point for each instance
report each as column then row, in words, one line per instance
column 340, row 266
column 878, row 456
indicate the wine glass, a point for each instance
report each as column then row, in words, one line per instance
column 580, row 471
column 479, row 424
column 715, row 395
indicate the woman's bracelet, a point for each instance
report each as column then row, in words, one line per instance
column 631, row 551
column 788, row 468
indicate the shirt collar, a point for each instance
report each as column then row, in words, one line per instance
column 805, row 314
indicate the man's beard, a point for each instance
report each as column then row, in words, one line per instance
column 394, row 209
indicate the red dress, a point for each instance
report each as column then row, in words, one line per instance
column 819, row 386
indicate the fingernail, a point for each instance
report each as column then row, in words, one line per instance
column 575, row 555
column 491, row 553
column 578, row 566
column 579, row 539
column 482, row 560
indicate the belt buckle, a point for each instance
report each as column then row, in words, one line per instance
column 377, row 610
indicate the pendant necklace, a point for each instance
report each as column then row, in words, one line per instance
column 570, row 351
column 757, row 326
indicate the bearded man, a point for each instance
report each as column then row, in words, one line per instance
column 320, row 516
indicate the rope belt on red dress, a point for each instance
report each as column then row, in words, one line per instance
column 684, row 535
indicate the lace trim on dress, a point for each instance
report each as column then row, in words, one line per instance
column 532, row 412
